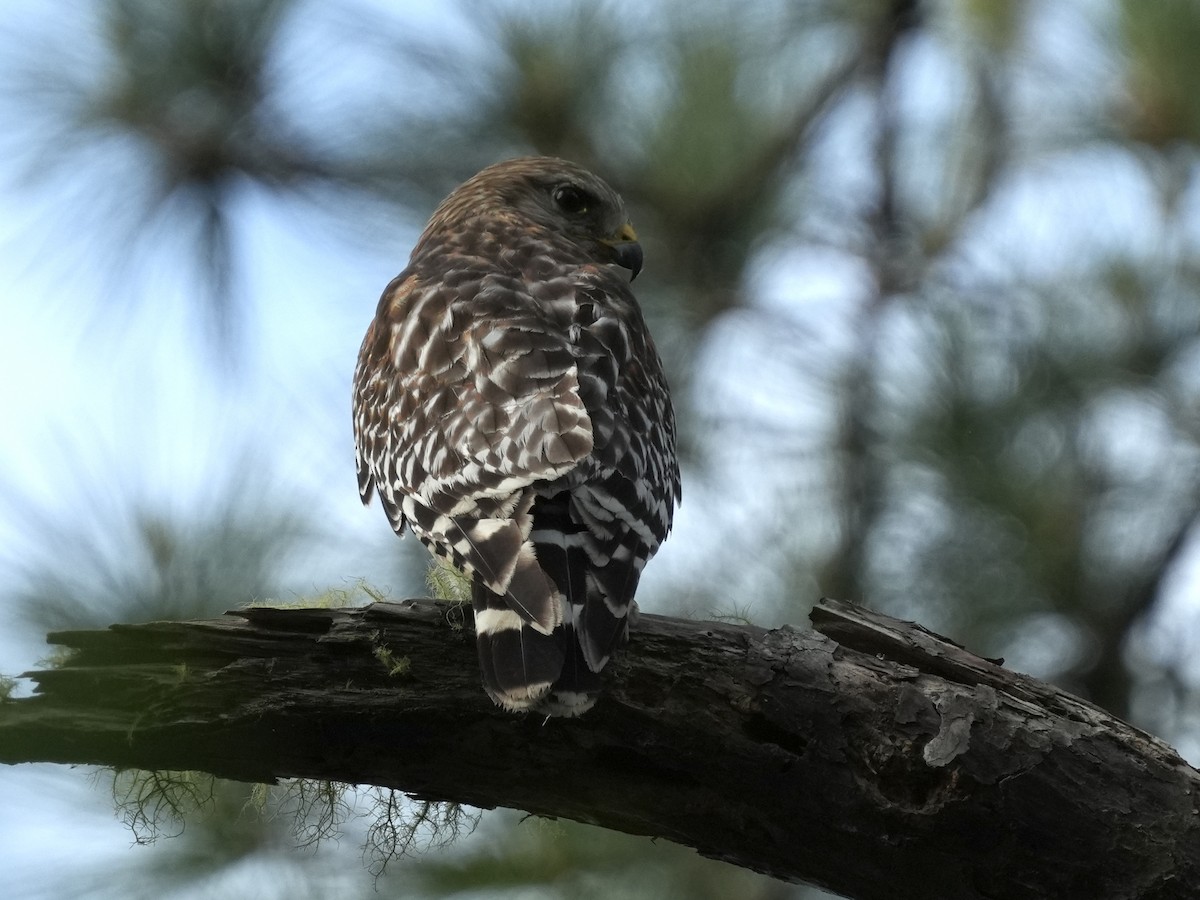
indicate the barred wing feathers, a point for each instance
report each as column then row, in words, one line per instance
column 513, row 438
column 463, row 402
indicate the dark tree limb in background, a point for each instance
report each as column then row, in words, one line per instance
column 869, row 756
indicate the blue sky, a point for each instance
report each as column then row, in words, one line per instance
column 113, row 401
column 136, row 397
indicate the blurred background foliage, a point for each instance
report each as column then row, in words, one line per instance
column 926, row 276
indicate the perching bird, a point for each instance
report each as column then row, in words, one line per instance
column 510, row 408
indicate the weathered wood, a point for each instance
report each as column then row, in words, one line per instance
column 870, row 756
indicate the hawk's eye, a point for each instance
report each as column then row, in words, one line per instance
column 571, row 199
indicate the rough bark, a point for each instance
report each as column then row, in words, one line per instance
column 870, row 756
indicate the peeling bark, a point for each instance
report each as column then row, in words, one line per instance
column 869, row 756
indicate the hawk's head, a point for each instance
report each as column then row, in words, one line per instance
column 547, row 194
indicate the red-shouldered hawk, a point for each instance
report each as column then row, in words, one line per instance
column 510, row 408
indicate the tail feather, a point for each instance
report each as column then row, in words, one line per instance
column 597, row 586
column 603, row 625
column 518, row 662
column 591, row 579
column 578, row 685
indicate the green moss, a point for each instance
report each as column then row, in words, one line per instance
column 162, row 804
column 448, row 583
column 57, row 658
column 397, row 666
column 358, row 593
column 157, row 803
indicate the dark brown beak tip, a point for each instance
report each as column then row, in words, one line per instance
column 629, row 256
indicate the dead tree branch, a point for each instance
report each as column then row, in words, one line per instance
column 869, row 756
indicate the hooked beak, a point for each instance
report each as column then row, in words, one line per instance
column 627, row 252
